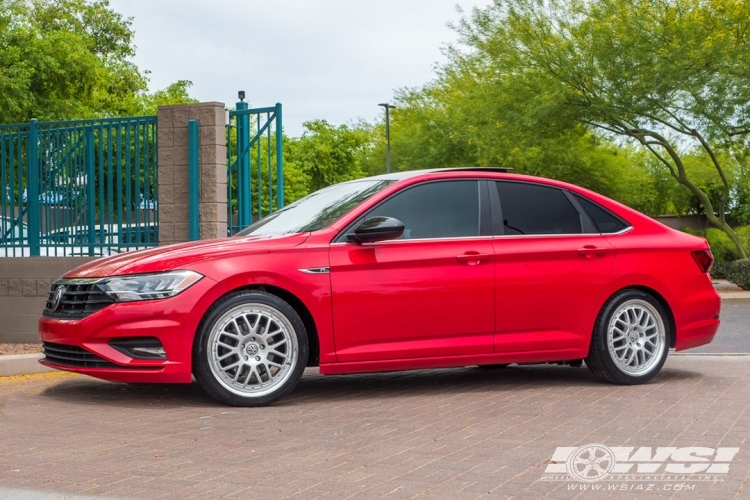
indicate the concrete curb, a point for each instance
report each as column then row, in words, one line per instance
column 22, row 364
column 744, row 294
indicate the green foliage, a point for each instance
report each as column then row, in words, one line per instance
column 721, row 246
column 669, row 76
column 322, row 156
column 738, row 272
column 176, row 93
column 66, row 59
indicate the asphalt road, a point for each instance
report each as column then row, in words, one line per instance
column 734, row 333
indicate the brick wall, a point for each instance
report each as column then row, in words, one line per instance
column 173, row 171
column 24, row 286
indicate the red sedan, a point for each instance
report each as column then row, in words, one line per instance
column 428, row 269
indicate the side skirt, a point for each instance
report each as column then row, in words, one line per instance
column 451, row 361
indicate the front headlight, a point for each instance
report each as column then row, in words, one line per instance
column 148, row 286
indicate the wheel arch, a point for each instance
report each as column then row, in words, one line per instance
column 660, row 299
column 295, row 302
column 667, row 309
column 313, row 358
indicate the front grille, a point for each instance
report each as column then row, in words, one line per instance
column 77, row 301
column 70, row 355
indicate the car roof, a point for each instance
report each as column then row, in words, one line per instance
column 398, row 176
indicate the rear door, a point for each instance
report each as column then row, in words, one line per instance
column 552, row 266
column 431, row 292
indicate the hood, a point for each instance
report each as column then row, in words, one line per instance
column 179, row 256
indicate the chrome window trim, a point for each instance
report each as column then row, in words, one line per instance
column 402, row 241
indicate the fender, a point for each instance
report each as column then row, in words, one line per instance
column 635, row 280
column 318, row 302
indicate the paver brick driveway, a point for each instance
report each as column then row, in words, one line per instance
column 460, row 433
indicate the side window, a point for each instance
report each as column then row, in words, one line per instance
column 536, row 209
column 605, row 221
column 447, row 209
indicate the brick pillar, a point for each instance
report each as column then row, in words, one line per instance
column 172, row 123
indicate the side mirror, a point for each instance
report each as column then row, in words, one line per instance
column 377, row 229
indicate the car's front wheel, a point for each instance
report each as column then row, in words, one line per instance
column 631, row 339
column 250, row 349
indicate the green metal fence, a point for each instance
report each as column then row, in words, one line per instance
column 83, row 187
column 255, row 176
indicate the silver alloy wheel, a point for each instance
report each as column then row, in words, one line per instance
column 636, row 337
column 252, row 349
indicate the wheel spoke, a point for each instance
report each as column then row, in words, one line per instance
column 273, row 363
column 225, row 356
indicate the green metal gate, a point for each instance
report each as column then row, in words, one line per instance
column 255, row 164
column 82, row 187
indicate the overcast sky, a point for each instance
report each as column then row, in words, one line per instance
column 320, row 58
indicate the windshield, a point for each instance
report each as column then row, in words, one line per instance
column 318, row 210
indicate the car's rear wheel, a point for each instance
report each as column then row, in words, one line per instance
column 250, row 350
column 631, row 339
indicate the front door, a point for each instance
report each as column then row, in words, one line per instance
column 431, row 292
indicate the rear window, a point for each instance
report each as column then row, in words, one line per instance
column 605, row 221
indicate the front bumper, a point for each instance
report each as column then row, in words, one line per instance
column 173, row 321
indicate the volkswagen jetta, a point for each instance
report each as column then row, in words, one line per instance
column 414, row 270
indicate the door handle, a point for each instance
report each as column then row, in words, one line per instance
column 473, row 258
column 593, row 252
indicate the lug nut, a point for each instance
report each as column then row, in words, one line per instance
column 252, row 339
column 245, row 358
column 242, row 346
column 257, row 358
column 262, row 347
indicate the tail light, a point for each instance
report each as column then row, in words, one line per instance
column 704, row 259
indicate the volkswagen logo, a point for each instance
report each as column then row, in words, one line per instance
column 57, row 297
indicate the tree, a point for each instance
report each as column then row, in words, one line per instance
column 66, row 59
column 670, row 75
column 468, row 118
column 326, row 154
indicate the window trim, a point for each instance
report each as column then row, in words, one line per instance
column 484, row 207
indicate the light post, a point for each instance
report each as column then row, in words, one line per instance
column 387, row 135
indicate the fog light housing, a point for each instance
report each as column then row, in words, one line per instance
column 140, row 348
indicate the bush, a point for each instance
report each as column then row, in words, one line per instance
column 694, row 232
column 721, row 246
column 718, row 270
column 738, row 272
column 744, row 234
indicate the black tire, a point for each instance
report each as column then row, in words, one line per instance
column 603, row 361
column 212, row 343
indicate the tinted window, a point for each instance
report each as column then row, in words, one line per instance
column 604, row 220
column 534, row 209
column 435, row 210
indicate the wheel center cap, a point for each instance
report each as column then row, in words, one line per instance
column 252, row 349
column 633, row 336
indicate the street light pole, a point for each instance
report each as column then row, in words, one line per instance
column 387, row 136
